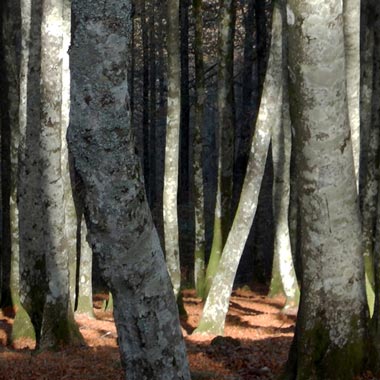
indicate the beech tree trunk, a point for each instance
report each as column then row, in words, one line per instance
column 216, row 306
column 172, row 147
column 119, row 222
column 330, row 330
column 200, row 94
column 225, row 145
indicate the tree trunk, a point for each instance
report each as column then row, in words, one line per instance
column 216, row 307
column 68, row 201
column 120, row 227
column 283, row 272
column 226, row 124
column 9, row 106
column 58, row 324
column 370, row 145
column 200, row 97
column 22, row 326
column 249, row 102
column 152, row 105
column 32, row 261
column 145, row 104
column 329, row 340
column 171, row 150
column 351, row 15
column 84, row 296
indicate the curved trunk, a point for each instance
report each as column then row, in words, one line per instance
column 269, row 116
column 226, row 125
column 119, row 222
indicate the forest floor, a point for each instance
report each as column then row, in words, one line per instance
column 255, row 345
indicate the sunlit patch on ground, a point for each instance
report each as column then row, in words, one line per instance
column 255, row 346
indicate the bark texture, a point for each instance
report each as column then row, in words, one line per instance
column 332, row 317
column 58, row 325
column 269, row 116
column 172, row 147
column 351, row 15
column 283, row 271
column 120, row 227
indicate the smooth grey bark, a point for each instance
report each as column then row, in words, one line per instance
column 283, row 272
column 58, row 324
column 351, row 15
column 216, row 306
column 32, row 262
column 70, row 229
column 330, row 330
column 200, row 97
column 43, row 258
column 172, row 147
column 119, row 222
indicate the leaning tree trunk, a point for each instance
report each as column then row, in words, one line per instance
column 119, row 222
column 226, row 125
column 216, row 307
column 172, row 147
column 329, row 340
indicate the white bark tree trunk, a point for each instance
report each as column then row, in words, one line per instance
column 216, row 307
column 332, row 316
column 172, row 147
column 58, row 325
column 225, row 144
column 120, row 227
column 351, row 15
column 283, row 258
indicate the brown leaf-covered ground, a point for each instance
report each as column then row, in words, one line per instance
column 255, row 346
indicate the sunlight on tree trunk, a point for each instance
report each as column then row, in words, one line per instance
column 216, row 307
column 284, row 279
column 331, row 324
column 172, row 147
column 120, row 227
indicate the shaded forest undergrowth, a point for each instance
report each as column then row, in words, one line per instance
column 255, row 346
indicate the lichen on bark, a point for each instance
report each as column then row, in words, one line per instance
column 120, row 228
